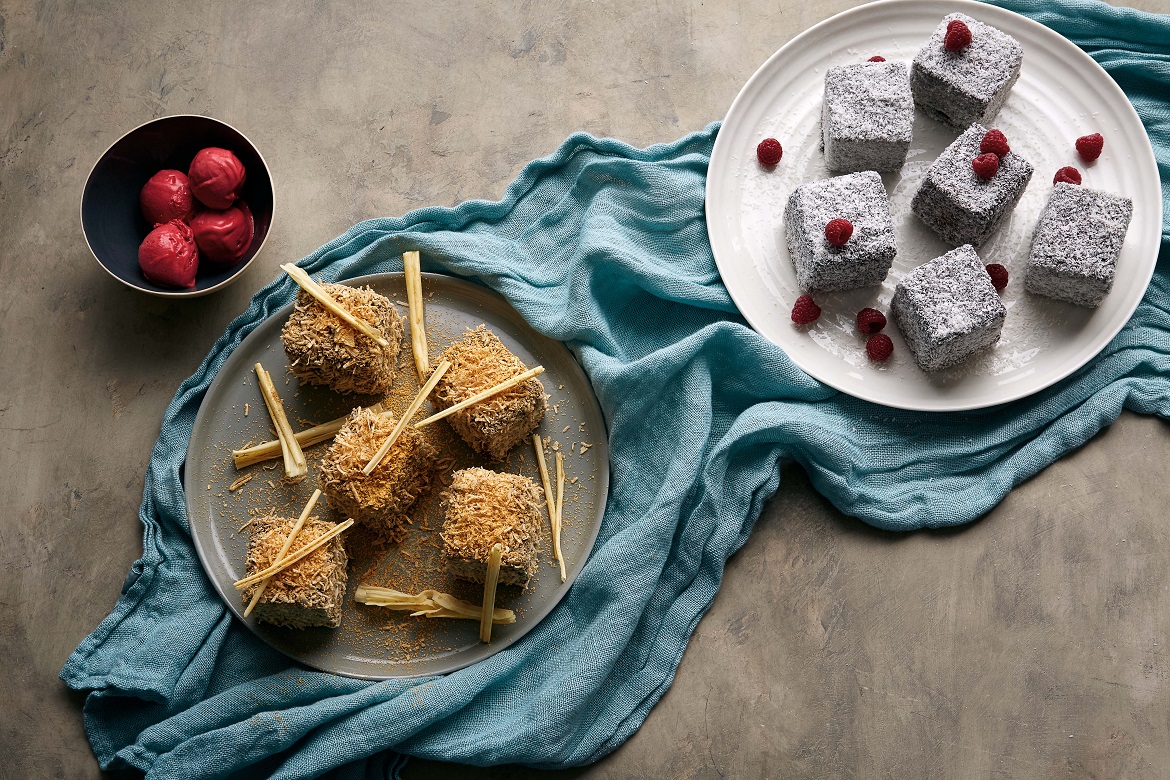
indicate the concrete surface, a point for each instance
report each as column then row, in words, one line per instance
column 1032, row 644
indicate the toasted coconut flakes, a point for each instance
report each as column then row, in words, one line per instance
column 485, row 507
column 308, row 593
column 324, row 350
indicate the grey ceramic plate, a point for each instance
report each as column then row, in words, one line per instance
column 373, row 642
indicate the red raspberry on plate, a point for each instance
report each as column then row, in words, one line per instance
column 805, row 311
column 1068, row 175
column 838, row 231
column 995, row 143
column 879, row 347
column 870, row 321
column 876, row 58
column 986, row 165
column 999, row 276
column 1089, row 146
column 769, row 152
column 958, row 36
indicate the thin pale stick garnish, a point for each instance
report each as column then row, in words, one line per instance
column 241, row 481
column 325, row 299
column 410, row 412
column 414, row 301
column 295, row 465
column 507, row 384
column 489, row 592
column 549, row 499
column 560, row 512
column 296, row 529
column 428, row 603
column 289, row 560
column 259, row 453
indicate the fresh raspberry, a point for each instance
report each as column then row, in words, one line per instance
column 958, row 36
column 995, row 143
column 986, row 165
column 876, row 58
column 870, row 320
column 805, row 311
column 999, row 276
column 838, row 231
column 1068, row 175
column 1089, row 146
column 769, row 152
column 879, row 347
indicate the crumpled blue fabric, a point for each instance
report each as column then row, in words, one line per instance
column 603, row 246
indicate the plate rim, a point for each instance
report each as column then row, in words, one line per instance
column 721, row 155
column 546, row 606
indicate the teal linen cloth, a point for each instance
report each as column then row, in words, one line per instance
column 602, row 246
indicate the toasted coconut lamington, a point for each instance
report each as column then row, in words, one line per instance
column 485, row 507
column 308, row 593
column 324, row 350
column 381, row 498
column 497, row 424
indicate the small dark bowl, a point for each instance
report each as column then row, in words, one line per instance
column 112, row 220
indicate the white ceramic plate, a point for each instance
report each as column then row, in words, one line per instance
column 1061, row 95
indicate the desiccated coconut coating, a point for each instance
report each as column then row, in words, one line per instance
column 1076, row 244
column 379, row 499
column 969, row 85
column 867, row 116
column 484, row 508
column 947, row 309
column 324, row 350
column 959, row 204
column 308, row 593
column 866, row 257
column 480, row 361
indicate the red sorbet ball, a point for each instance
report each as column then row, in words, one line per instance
column 167, row 196
column 217, row 176
column 224, row 236
column 168, row 255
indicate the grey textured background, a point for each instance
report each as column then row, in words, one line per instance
column 1031, row 644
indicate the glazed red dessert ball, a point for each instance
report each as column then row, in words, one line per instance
column 217, row 177
column 223, row 237
column 168, row 255
column 167, row 196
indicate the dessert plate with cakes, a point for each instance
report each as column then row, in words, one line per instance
column 395, row 475
column 876, row 163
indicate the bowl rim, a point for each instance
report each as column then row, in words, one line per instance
column 177, row 293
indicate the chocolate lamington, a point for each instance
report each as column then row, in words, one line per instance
column 1076, row 244
column 867, row 117
column 947, row 309
column 866, row 257
column 308, row 593
column 959, row 204
column 969, row 85
column 484, row 508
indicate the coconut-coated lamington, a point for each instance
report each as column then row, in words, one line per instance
column 480, row 361
column 866, row 257
column 1076, row 243
column 947, row 309
column 867, row 116
column 969, row 85
column 959, row 204
column 484, row 508
column 308, row 593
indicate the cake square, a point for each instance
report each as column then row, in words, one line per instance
column 380, row 499
column 867, row 116
column 480, row 361
column 947, row 309
column 866, row 257
column 308, row 593
column 969, row 85
column 486, row 507
column 1076, row 244
column 959, row 204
